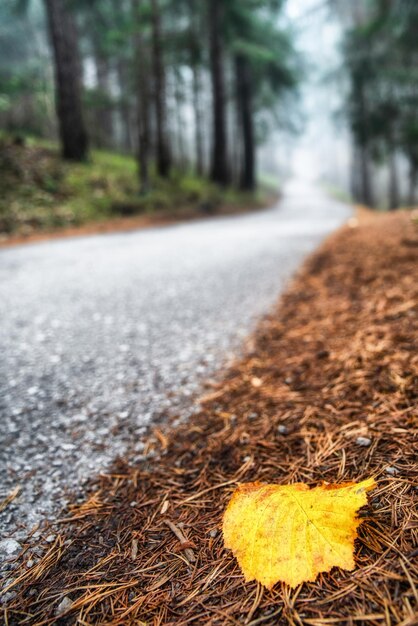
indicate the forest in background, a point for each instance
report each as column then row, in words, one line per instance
column 169, row 102
column 380, row 52
column 144, row 74
column 190, row 88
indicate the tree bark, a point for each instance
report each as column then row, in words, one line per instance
column 181, row 160
column 198, row 120
column 63, row 36
column 247, row 180
column 393, row 182
column 104, row 111
column 219, row 166
column 195, row 60
column 413, row 180
column 143, row 99
column 366, row 191
column 163, row 151
column 126, row 110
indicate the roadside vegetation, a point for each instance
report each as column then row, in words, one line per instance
column 41, row 192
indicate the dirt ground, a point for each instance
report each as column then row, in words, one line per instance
column 328, row 391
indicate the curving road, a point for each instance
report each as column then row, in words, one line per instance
column 100, row 334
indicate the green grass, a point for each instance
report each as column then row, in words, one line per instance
column 38, row 191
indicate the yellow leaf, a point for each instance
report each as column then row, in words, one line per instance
column 291, row 533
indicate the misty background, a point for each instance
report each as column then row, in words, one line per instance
column 205, row 97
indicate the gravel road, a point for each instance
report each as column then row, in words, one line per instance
column 98, row 335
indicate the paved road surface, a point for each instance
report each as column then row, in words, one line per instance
column 99, row 334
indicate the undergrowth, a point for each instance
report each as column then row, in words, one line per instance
column 38, row 191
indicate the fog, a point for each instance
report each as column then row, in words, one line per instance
column 320, row 149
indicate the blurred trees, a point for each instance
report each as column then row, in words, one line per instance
column 186, row 84
column 261, row 71
column 25, row 82
column 381, row 53
column 63, row 34
column 216, row 15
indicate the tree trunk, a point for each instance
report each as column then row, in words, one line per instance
column 393, row 181
column 366, row 191
column 364, row 141
column 197, row 28
column 125, row 105
column 354, row 173
column 163, row 152
column 178, row 99
column 219, row 166
column 127, row 116
column 247, row 180
column 62, row 31
column 197, row 87
column 104, row 111
column 413, row 179
column 143, row 91
column 235, row 142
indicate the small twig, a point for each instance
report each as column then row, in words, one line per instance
column 188, row 552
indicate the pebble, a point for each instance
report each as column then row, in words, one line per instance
column 64, row 606
column 282, row 429
column 68, row 446
column 363, row 441
column 50, row 538
column 80, row 417
column 392, row 471
column 9, row 547
column 8, row 596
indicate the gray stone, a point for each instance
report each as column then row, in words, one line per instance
column 64, row 606
column 363, row 441
column 9, row 547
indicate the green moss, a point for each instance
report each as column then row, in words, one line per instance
column 38, row 191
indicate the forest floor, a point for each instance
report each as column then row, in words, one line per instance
column 327, row 392
column 41, row 197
